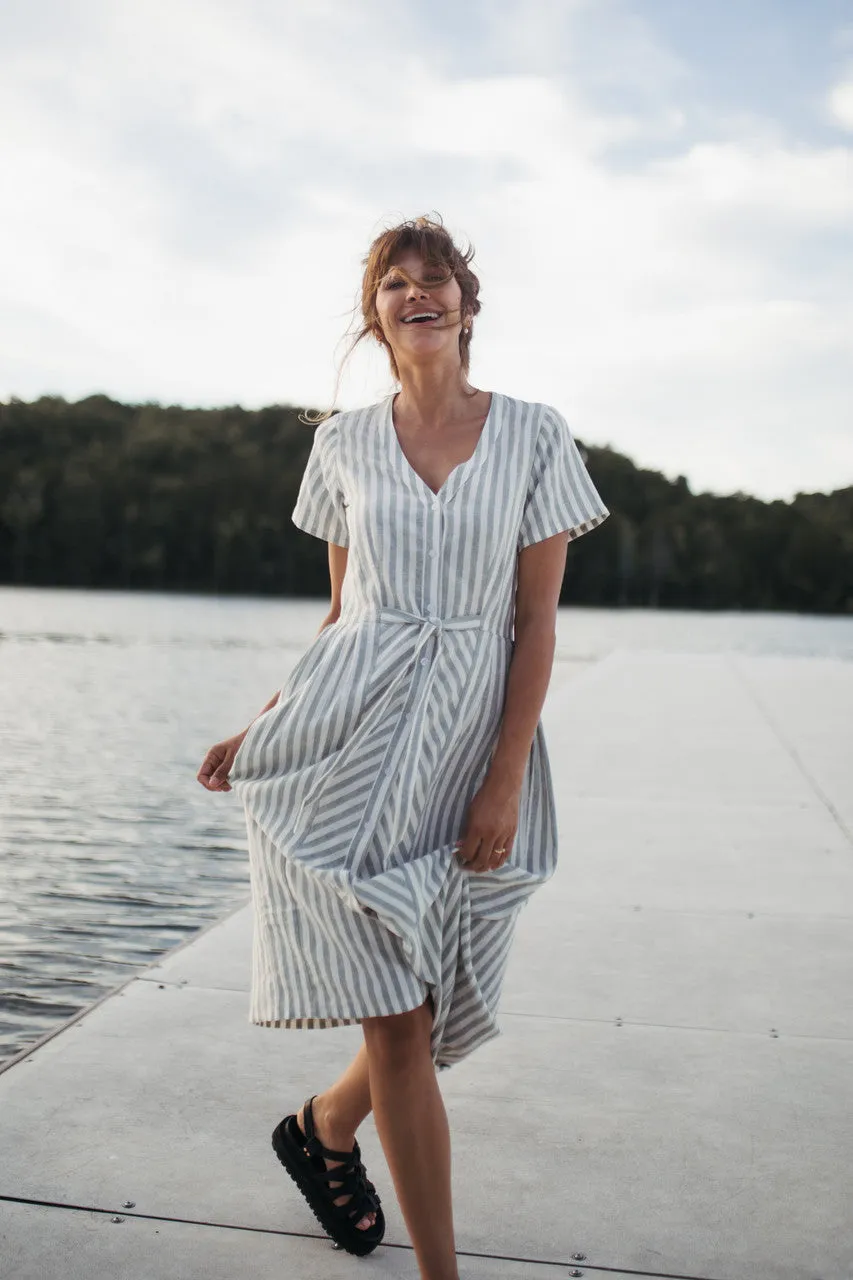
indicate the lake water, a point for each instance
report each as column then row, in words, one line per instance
column 110, row 851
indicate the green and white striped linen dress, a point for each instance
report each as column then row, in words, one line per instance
column 356, row 782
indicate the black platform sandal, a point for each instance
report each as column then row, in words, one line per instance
column 304, row 1157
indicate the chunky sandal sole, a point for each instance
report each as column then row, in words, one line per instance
column 292, row 1155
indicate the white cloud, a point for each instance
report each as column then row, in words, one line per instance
column 195, row 185
column 840, row 103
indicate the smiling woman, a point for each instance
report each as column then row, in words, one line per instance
column 398, row 796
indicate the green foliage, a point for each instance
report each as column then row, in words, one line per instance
column 102, row 494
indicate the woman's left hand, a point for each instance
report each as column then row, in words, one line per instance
column 490, row 826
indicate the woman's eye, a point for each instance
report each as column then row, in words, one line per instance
column 397, row 282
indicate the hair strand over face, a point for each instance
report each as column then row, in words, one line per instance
column 433, row 243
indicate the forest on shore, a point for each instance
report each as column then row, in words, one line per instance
column 96, row 493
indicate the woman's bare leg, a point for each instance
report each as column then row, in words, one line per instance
column 339, row 1111
column 412, row 1125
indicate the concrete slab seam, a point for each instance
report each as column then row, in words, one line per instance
column 119, row 1214
column 791, row 751
column 771, row 1033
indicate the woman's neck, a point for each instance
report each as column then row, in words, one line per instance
column 431, row 395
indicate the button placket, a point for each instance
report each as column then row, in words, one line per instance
column 431, row 604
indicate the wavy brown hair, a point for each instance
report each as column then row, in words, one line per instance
column 429, row 238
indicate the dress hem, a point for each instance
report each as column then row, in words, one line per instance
column 304, row 1024
column 313, row 1023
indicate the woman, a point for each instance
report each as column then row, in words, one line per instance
column 397, row 789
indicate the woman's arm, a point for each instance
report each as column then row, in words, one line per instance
column 541, row 568
column 491, row 820
column 338, row 557
column 337, row 569
column 213, row 773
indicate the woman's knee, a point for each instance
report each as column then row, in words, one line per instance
column 400, row 1035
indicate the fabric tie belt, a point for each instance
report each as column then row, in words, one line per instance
column 433, row 626
column 469, row 622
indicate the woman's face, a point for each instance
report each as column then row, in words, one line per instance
column 399, row 304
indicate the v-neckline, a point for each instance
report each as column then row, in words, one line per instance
column 461, row 467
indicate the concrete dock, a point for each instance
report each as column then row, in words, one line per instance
column 672, row 1095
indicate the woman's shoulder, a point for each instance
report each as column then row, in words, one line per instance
column 349, row 420
column 534, row 414
column 522, row 405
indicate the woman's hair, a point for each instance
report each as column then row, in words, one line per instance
column 429, row 238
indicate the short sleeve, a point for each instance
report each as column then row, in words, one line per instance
column 560, row 496
column 320, row 507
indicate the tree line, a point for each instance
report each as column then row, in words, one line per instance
column 96, row 493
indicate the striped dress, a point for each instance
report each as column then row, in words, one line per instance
column 355, row 784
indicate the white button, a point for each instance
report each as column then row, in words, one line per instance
column 423, row 662
column 431, row 617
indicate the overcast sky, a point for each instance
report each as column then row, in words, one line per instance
column 660, row 194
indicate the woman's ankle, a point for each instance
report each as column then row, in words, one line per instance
column 337, row 1130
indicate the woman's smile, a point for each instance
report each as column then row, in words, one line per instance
column 421, row 317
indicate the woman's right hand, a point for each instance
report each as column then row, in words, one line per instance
column 213, row 774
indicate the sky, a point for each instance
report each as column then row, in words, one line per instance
column 659, row 194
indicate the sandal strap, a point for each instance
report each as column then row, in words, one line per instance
column 314, row 1143
column 362, row 1193
column 356, row 1184
column 314, row 1147
column 350, row 1173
